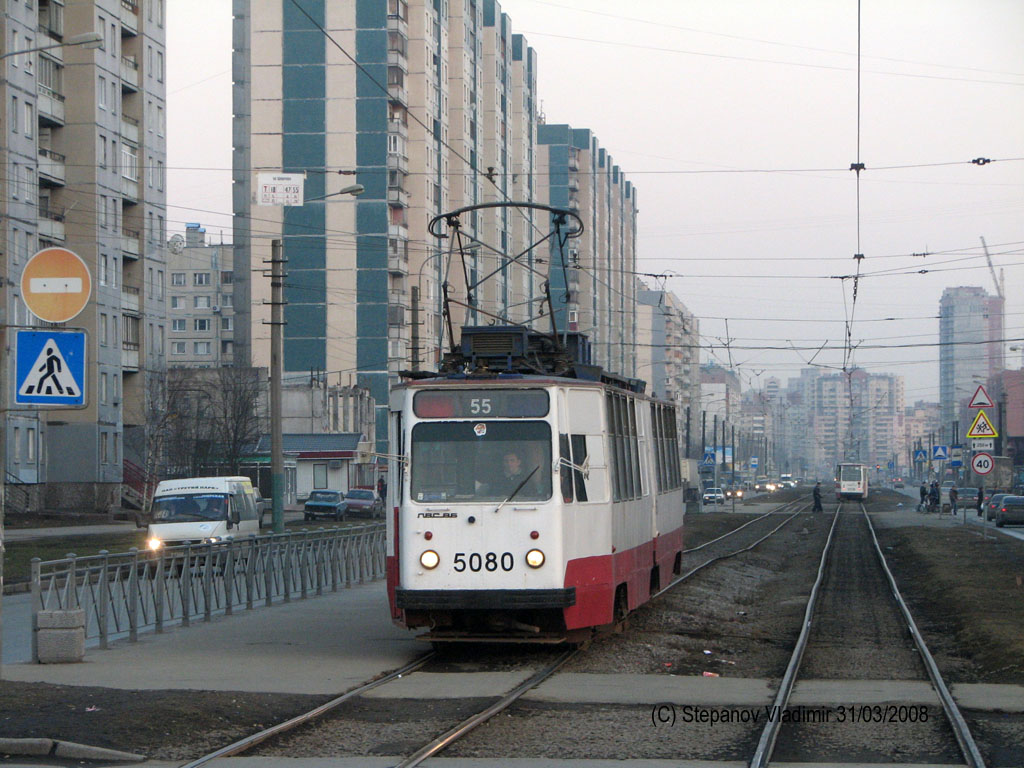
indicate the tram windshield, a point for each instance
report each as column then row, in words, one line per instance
column 481, row 461
column 849, row 473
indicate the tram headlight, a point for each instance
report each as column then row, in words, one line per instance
column 154, row 544
column 430, row 559
column 535, row 558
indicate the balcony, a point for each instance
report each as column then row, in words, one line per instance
column 130, row 190
column 399, row 127
column 398, row 59
column 397, row 162
column 129, row 298
column 130, row 242
column 398, row 265
column 51, row 224
column 52, row 172
column 399, row 93
column 129, row 74
column 398, row 196
column 398, row 230
column 130, row 357
column 50, row 106
column 397, row 23
column 396, row 316
column 130, row 129
column 129, row 18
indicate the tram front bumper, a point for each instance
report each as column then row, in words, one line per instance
column 484, row 599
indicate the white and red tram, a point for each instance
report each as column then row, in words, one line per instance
column 588, row 529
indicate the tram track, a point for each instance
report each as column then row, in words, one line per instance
column 838, row 603
column 501, row 701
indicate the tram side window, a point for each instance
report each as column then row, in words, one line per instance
column 625, row 448
column 634, row 444
column 565, row 471
column 579, row 457
column 613, row 433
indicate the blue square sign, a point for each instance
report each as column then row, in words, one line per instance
column 49, row 368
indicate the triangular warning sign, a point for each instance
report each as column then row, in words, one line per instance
column 981, row 399
column 49, row 376
column 982, row 427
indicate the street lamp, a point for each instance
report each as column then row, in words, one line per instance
column 277, row 275
column 86, row 40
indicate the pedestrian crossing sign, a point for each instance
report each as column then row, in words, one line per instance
column 50, row 368
column 920, row 456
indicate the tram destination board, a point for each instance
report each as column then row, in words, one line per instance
column 480, row 403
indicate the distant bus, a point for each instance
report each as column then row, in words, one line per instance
column 852, row 482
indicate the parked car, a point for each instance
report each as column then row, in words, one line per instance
column 325, row 504
column 1010, row 510
column 714, row 496
column 364, row 502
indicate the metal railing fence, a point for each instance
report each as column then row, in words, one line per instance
column 125, row 592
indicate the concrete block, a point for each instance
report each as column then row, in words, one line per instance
column 72, row 751
column 26, row 746
column 60, row 619
column 60, row 636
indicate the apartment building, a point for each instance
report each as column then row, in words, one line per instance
column 592, row 277
column 201, row 313
column 85, row 157
column 667, row 355
column 971, row 330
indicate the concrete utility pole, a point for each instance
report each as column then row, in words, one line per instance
column 277, row 275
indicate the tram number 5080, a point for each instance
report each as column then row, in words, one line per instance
column 476, row 562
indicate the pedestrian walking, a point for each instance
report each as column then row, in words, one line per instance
column 981, row 499
column 924, row 497
column 817, row 498
column 954, row 496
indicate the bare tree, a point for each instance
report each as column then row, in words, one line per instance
column 235, row 414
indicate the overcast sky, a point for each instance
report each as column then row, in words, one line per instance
column 737, row 120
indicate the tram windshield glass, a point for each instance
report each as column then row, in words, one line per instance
column 481, row 461
column 850, row 473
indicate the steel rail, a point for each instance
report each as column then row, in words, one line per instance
column 766, row 743
column 447, row 738
column 726, row 556
column 777, row 510
column 251, row 741
column 963, row 734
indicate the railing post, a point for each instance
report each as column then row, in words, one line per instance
column 229, row 578
column 333, row 560
column 185, row 585
column 37, row 604
column 208, row 583
column 70, row 602
column 304, row 565
column 104, row 605
column 133, row 596
column 318, row 561
column 286, row 570
column 268, row 571
column 250, row 570
column 158, row 611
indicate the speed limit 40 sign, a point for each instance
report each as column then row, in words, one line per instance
column 982, row 463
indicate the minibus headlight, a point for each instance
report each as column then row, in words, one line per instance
column 535, row 558
column 429, row 559
column 154, row 544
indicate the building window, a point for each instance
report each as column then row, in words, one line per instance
column 201, row 347
column 200, row 302
column 226, row 347
column 200, row 278
column 201, row 324
column 101, row 91
column 103, row 388
column 227, row 300
column 178, row 326
column 103, row 269
column 129, row 162
column 17, row 445
column 177, row 278
column 319, row 476
column 30, row 120
column 103, row 329
column 177, row 347
column 30, row 443
column 103, row 447
column 160, row 284
column 177, row 303
column 227, row 323
column 227, row 278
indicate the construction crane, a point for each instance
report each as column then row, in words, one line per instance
column 992, row 269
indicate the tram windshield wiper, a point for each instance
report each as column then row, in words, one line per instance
column 518, row 489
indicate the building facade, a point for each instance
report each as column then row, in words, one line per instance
column 970, row 350
column 85, row 158
column 200, row 302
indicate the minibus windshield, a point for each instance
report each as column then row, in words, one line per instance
column 191, row 507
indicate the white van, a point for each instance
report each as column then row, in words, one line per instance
column 201, row 510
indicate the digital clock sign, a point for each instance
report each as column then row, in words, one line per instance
column 480, row 403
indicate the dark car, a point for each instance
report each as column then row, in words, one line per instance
column 1009, row 510
column 993, row 501
column 364, row 502
column 325, row 504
